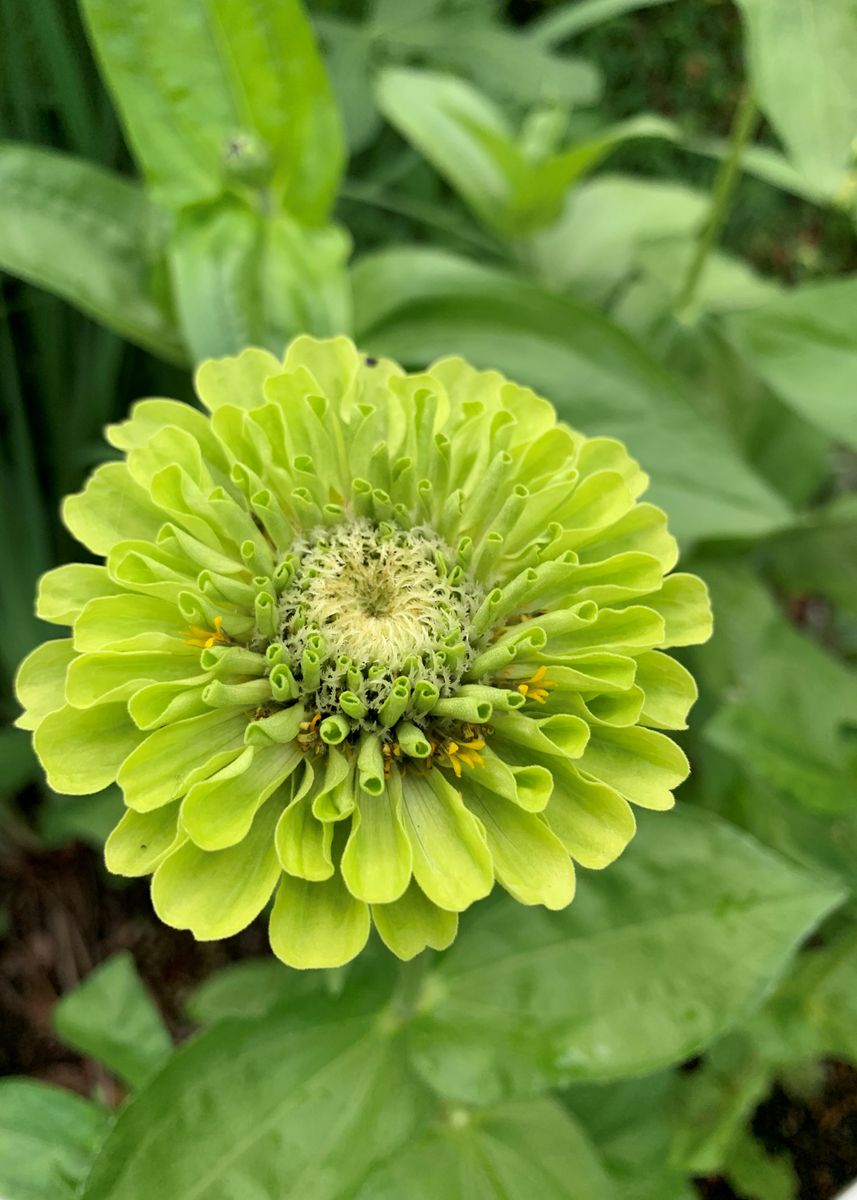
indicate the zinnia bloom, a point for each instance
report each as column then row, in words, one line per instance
column 366, row 639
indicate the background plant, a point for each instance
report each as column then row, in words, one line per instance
column 500, row 203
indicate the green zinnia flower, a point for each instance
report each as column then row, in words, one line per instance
column 370, row 639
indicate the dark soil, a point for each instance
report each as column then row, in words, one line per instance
column 65, row 915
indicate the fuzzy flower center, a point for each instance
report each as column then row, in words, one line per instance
column 373, row 604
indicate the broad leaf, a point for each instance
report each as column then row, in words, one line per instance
column 518, row 1151
column 47, row 1140
column 816, row 120
column 242, row 279
column 655, row 958
column 90, row 237
column 418, row 305
column 219, row 92
column 514, row 183
column 804, row 344
column 302, row 1102
column 111, row 1017
column 573, row 18
column 255, row 986
column 819, row 556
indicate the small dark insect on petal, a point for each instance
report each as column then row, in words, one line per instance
column 370, row 361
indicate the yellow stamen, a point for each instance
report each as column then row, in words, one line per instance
column 204, row 638
column 530, row 687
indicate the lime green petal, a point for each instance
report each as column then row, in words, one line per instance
column 529, row 860
column 376, row 863
column 643, row 529
column 93, row 678
column 216, row 894
column 303, row 842
column 561, row 734
column 529, row 786
column 82, row 750
column 159, row 704
column 316, row 925
column 149, row 417
column 40, row 681
column 685, row 606
column 173, row 758
column 590, row 671
column 217, row 812
column 642, row 765
column 131, row 622
column 64, row 591
column 111, row 508
column 621, row 577
column 140, row 840
column 239, row 379
column 592, row 821
column 333, row 362
column 142, row 566
column 412, row 923
column 452, row 863
column 614, row 708
column 608, row 454
column 669, row 688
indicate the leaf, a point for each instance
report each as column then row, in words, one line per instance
column 217, row 92
column 758, row 1175
column 654, row 959
column 301, row 1102
column 819, row 555
column 793, row 723
column 629, row 1124
column 111, row 1017
column 517, row 1151
column 595, row 243
column 255, row 986
column 245, row 279
column 817, row 121
column 417, row 305
column 90, row 237
column 804, row 345
column 88, row 819
column 512, row 186
column 571, row 19
column 47, row 1140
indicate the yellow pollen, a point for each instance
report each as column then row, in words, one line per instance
column 204, row 638
column 466, row 754
column 537, row 687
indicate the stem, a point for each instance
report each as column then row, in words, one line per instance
column 743, row 127
column 412, row 975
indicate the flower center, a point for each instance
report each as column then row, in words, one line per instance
column 373, row 604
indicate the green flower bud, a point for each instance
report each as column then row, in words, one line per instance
column 367, row 639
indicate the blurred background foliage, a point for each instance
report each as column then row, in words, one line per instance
column 629, row 206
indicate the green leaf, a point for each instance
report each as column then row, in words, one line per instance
column 47, row 1140
column 255, row 986
column 629, row 1123
column 512, row 186
column 572, row 19
column 111, row 1017
column 417, row 305
column 819, row 555
column 655, row 958
column 758, row 1175
column 242, row 279
column 804, row 345
column 792, row 724
column 517, row 1151
column 817, row 121
column 216, row 93
column 90, row 237
column 302, row 1102
column 88, row 819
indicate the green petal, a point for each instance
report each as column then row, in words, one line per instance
column 160, row 704
column 93, row 678
column 642, row 765
column 82, row 750
column 40, row 681
column 452, row 863
column 172, row 759
column 333, row 362
column 140, row 840
column 634, row 627
column 149, row 417
column 591, row 671
column 529, row 786
column 592, row 821
column 238, row 379
column 412, row 923
column 621, row 577
column 131, row 622
column 376, row 863
column 316, row 925
column 561, row 734
column 669, row 688
column 644, row 528
column 685, row 605
column 217, row 812
column 216, row 894
column 64, row 591
column 609, row 454
column 303, row 842
column 111, row 508
column 529, row 860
